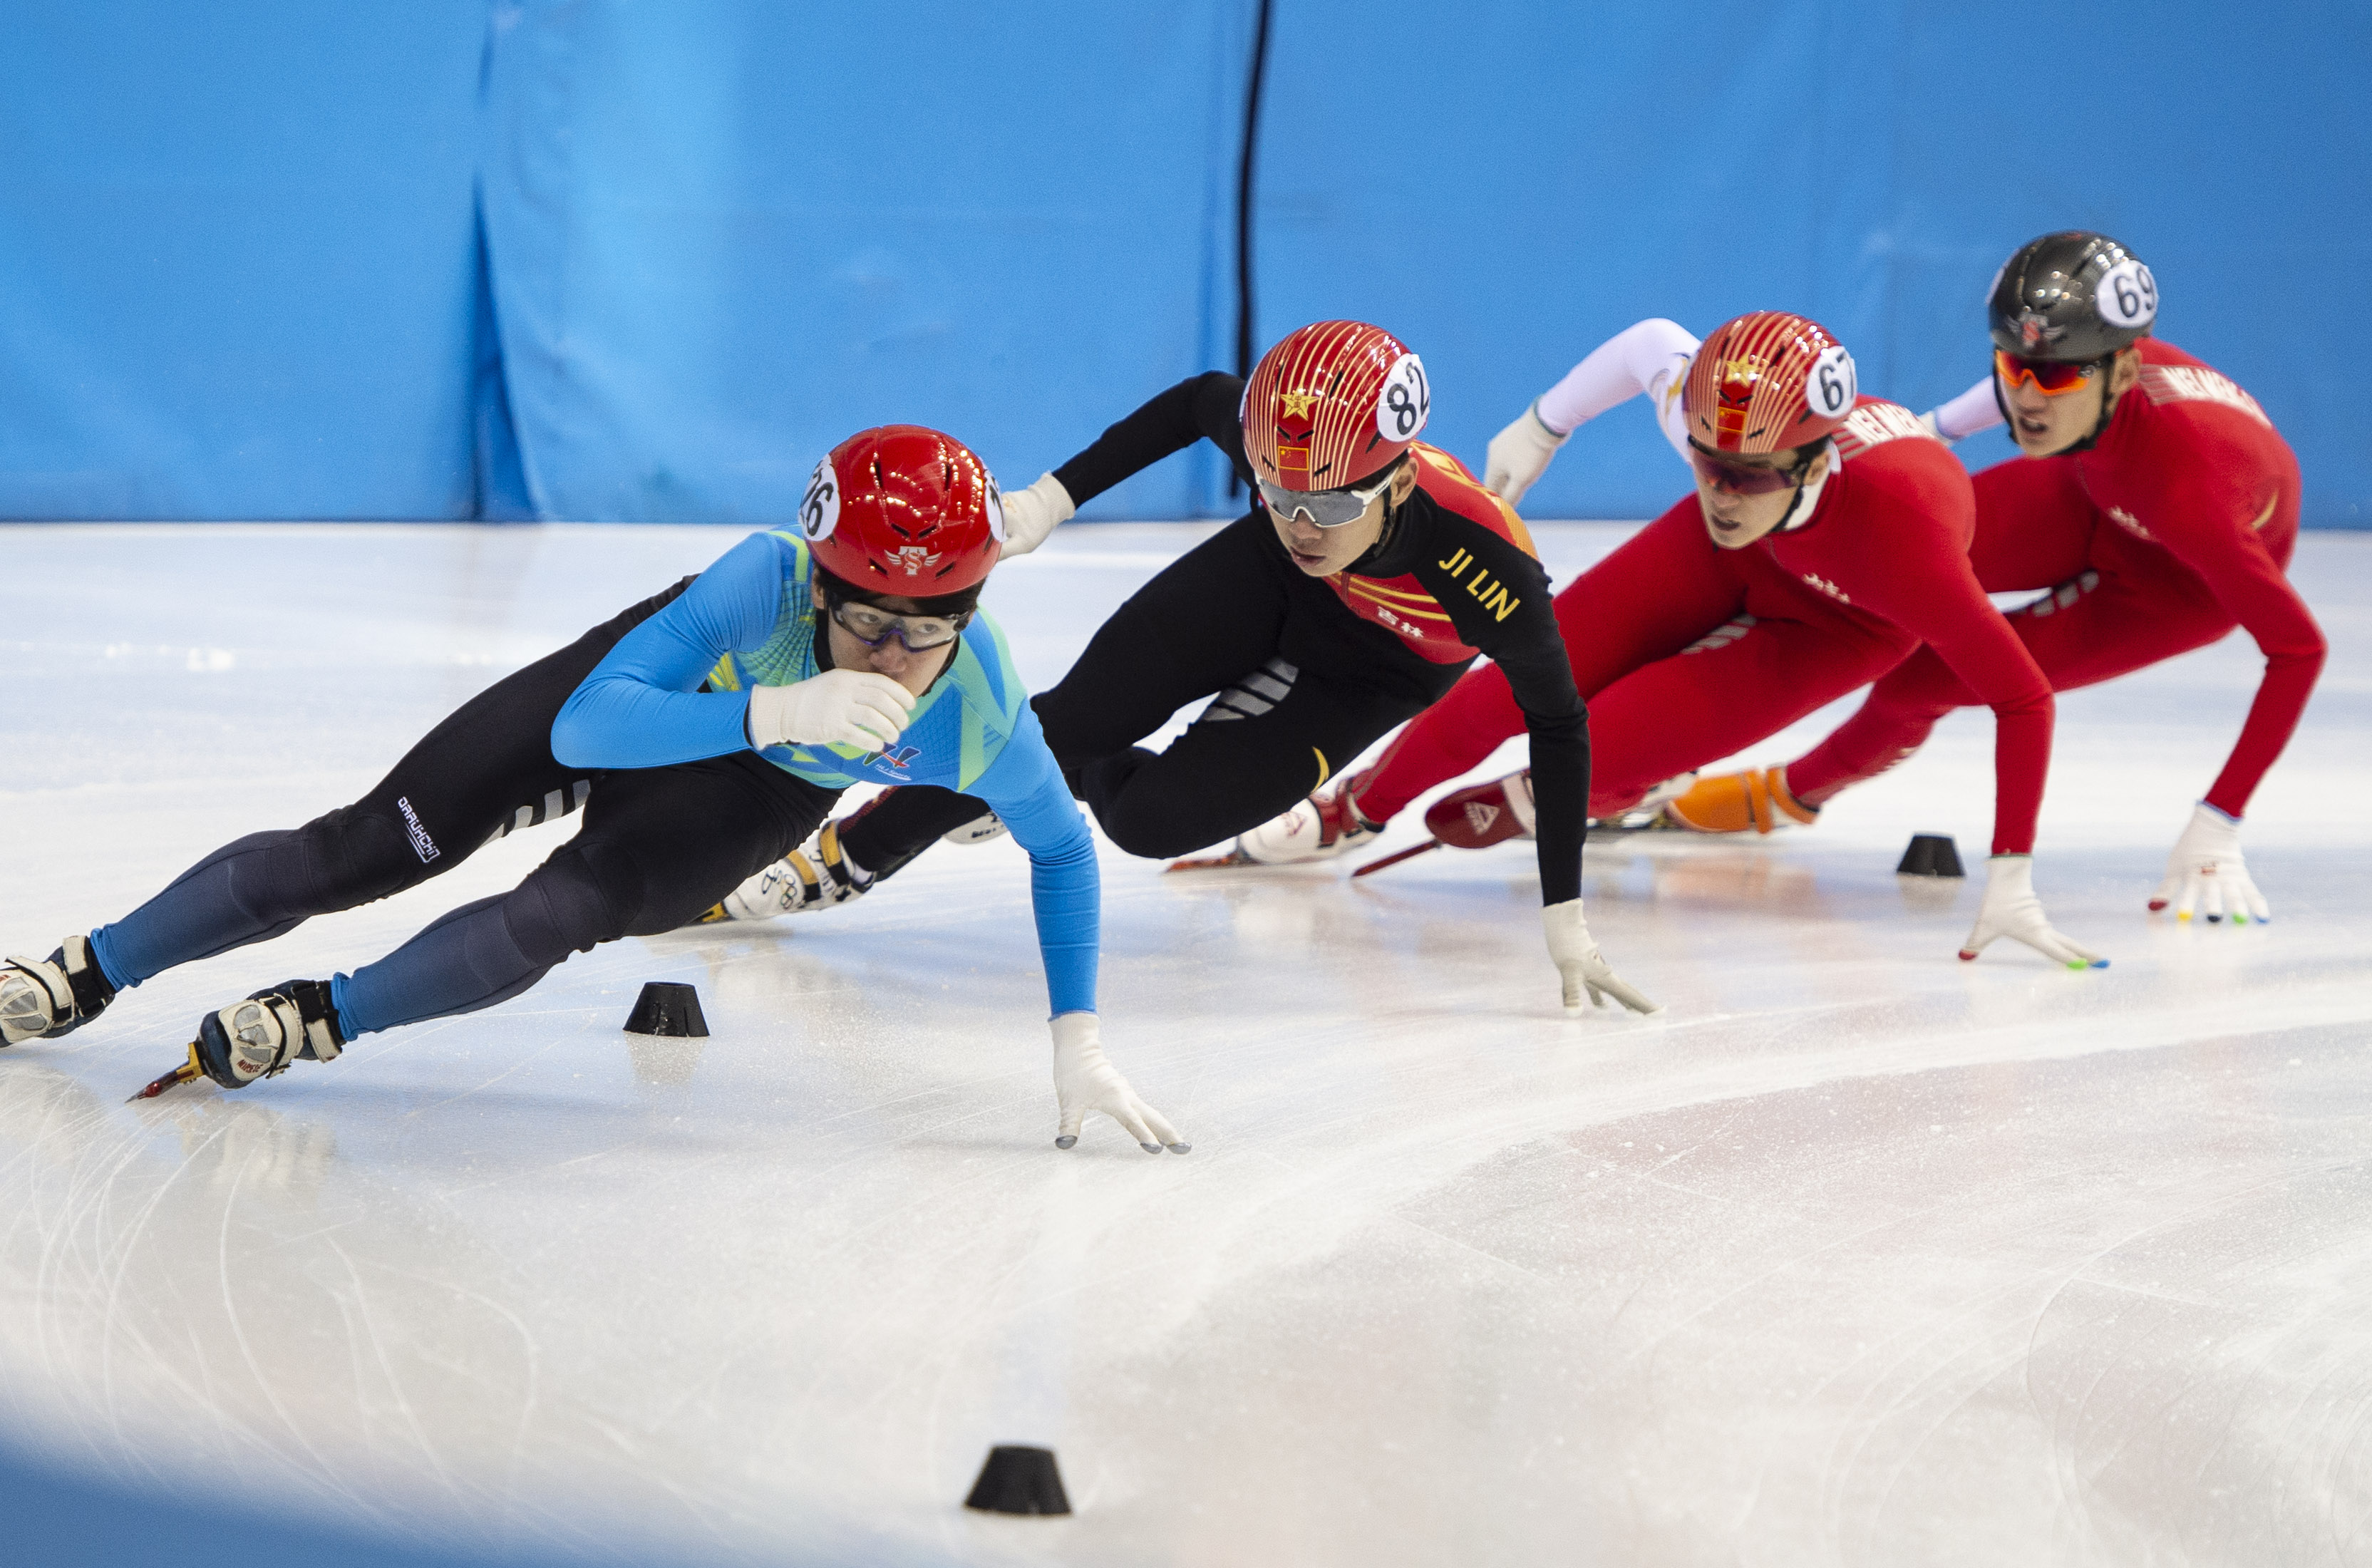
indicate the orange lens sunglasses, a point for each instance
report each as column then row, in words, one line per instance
column 2052, row 378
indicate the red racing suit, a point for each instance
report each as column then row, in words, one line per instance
column 1686, row 652
column 2174, row 528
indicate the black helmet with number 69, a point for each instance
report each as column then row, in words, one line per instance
column 2072, row 298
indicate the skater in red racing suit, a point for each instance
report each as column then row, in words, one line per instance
column 1759, row 598
column 2156, row 505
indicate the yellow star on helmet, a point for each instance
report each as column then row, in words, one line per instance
column 1296, row 404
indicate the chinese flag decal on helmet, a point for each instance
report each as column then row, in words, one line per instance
column 1333, row 403
column 1767, row 381
column 905, row 510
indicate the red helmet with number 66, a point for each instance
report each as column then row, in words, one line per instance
column 903, row 511
column 1333, row 403
column 1766, row 381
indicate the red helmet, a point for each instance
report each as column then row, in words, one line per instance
column 1766, row 381
column 1333, row 403
column 905, row 511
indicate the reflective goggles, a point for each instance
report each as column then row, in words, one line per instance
column 1327, row 508
column 1742, row 479
column 874, row 627
column 2052, row 378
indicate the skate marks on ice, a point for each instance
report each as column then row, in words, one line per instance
column 1859, row 1255
column 1982, row 1267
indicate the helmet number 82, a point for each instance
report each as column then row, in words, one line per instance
column 1401, row 408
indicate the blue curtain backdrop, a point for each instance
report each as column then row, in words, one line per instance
column 612, row 259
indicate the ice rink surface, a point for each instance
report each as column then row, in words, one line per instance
column 1858, row 1255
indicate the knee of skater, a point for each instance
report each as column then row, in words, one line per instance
column 357, row 854
column 1155, row 835
column 573, row 903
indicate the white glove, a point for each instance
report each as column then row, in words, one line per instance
column 840, row 707
column 1031, row 515
column 2206, row 874
column 1584, row 968
column 1933, row 428
column 1518, row 455
column 2011, row 910
column 1084, row 1081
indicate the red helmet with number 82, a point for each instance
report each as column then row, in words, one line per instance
column 903, row 511
column 1333, row 403
column 1766, row 381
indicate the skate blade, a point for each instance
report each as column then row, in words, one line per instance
column 1646, row 822
column 1233, row 857
column 1397, row 856
column 188, row 1071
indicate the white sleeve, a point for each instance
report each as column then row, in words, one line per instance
column 1970, row 412
column 1651, row 357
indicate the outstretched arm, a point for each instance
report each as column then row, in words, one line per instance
column 1202, row 408
column 1498, row 596
column 2221, row 537
column 1975, row 410
column 1650, row 357
column 1025, row 788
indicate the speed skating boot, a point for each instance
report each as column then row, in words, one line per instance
column 294, row 1021
column 1316, row 828
column 799, row 883
column 1756, row 800
column 43, row 998
column 1485, row 814
column 1474, row 818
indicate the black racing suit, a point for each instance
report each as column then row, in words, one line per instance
column 1303, row 673
column 659, row 845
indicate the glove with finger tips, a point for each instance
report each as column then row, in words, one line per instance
column 840, row 707
column 2206, row 874
column 1518, row 455
column 1031, row 515
column 1084, row 1081
column 1581, row 967
column 2011, row 910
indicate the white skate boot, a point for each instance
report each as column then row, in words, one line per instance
column 43, row 998
column 1316, row 828
column 799, row 883
column 988, row 825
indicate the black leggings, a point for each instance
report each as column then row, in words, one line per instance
column 1299, row 685
column 658, row 846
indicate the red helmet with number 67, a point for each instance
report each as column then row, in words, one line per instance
column 1333, row 403
column 903, row 511
column 1766, row 381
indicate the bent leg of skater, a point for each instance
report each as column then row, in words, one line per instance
column 1231, row 772
column 881, row 836
column 659, row 845
column 2034, row 525
column 2084, row 631
column 1725, row 693
column 1658, row 592
column 486, row 769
